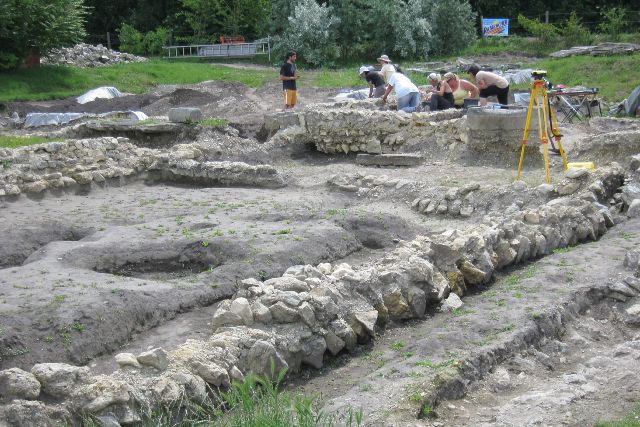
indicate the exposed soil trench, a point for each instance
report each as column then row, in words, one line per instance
column 85, row 275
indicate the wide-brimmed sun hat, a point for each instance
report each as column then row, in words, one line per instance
column 384, row 58
column 363, row 69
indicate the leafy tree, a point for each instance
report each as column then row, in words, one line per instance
column 453, row 26
column 37, row 26
column 614, row 22
column 574, row 33
column 412, row 30
column 311, row 33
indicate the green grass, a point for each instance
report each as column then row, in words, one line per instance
column 632, row 419
column 20, row 141
column 51, row 82
column 213, row 122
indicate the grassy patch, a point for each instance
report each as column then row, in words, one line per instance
column 213, row 122
column 632, row 419
column 20, row 141
column 51, row 82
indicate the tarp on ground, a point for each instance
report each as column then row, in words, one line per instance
column 354, row 94
column 55, row 119
column 106, row 92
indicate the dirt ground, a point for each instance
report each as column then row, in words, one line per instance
column 126, row 268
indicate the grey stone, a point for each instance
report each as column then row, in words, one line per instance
column 634, row 209
column 282, row 313
column 59, row 379
column 241, row 307
column 260, row 357
column 261, row 313
column 185, row 115
column 368, row 321
column 127, row 359
column 18, row 384
column 313, row 352
column 212, row 374
column 156, row 358
column 334, row 343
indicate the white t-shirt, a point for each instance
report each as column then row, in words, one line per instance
column 402, row 85
column 387, row 70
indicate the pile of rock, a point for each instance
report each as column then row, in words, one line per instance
column 603, row 49
column 88, row 56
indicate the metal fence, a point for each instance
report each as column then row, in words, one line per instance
column 231, row 50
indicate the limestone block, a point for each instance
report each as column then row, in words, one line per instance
column 241, row 307
column 634, row 209
column 260, row 357
column 334, row 343
column 212, row 374
column 472, row 274
column 313, row 352
column 281, row 313
column 452, row 302
column 185, row 115
column 18, row 384
column 396, row 304
column 106, row 391
column 156, row 358
column 127, row 359
column 59, row 379
column 367, row 319
column 345, row 333
column 261, row 313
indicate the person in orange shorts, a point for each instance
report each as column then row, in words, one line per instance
column 289, row 75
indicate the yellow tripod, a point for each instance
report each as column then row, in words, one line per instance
column 540, row 98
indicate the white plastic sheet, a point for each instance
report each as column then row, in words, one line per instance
column 55, row 119
column 106, row 92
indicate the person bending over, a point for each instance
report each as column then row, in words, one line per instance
column 441, row 96
column 462, row 89
column 490, row 84
column 375, row 80
column 407, row 94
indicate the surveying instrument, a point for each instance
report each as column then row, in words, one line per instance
column 540, row 99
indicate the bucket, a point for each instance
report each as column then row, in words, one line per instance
column 470, row 102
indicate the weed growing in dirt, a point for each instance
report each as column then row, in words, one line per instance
column 461, row 311
column 426, row 410
column 398, row 345
column 563, row 250
column 408, row 354
column 632, row 419
column 531, row 271
column 213, row 122
column 78, row 326
column 284, row 231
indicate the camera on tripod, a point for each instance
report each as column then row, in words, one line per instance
column 539, row 74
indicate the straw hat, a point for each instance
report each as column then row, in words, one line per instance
column 384, row 58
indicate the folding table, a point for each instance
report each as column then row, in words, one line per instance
column 579, row 104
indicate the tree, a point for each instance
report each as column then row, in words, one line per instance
column 37, row 26
column 311, row 33
column 453, row 26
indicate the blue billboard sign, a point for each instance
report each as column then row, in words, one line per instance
column 495, row 27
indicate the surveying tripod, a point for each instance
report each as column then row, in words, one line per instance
column 540, row 98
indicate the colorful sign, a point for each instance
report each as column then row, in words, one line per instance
column 495, row 27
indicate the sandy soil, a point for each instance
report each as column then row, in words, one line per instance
column 84, row 276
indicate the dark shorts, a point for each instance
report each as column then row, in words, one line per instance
column 502, row 94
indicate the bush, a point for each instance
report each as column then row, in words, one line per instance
column 154, row 41
column 131, row 40
column 614, row 22
column 547, row 34
column 575, row 33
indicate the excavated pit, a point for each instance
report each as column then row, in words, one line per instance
column 162, row 255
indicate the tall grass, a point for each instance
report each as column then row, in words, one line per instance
column 8, row 141
column 256, row 402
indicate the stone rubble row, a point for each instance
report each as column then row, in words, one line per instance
column 70, row 163
column 309, row 311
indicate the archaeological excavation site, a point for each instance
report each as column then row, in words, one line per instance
column 391, row 263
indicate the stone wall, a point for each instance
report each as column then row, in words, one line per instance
column 72, row 163
column 481, row 136
column 295, row 319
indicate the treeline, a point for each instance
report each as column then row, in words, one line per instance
column 323, row 32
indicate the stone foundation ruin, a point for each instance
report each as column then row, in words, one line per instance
column 276, row 278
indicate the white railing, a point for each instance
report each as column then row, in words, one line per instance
column 230, row 50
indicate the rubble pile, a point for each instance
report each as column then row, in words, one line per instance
column 88, row 56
